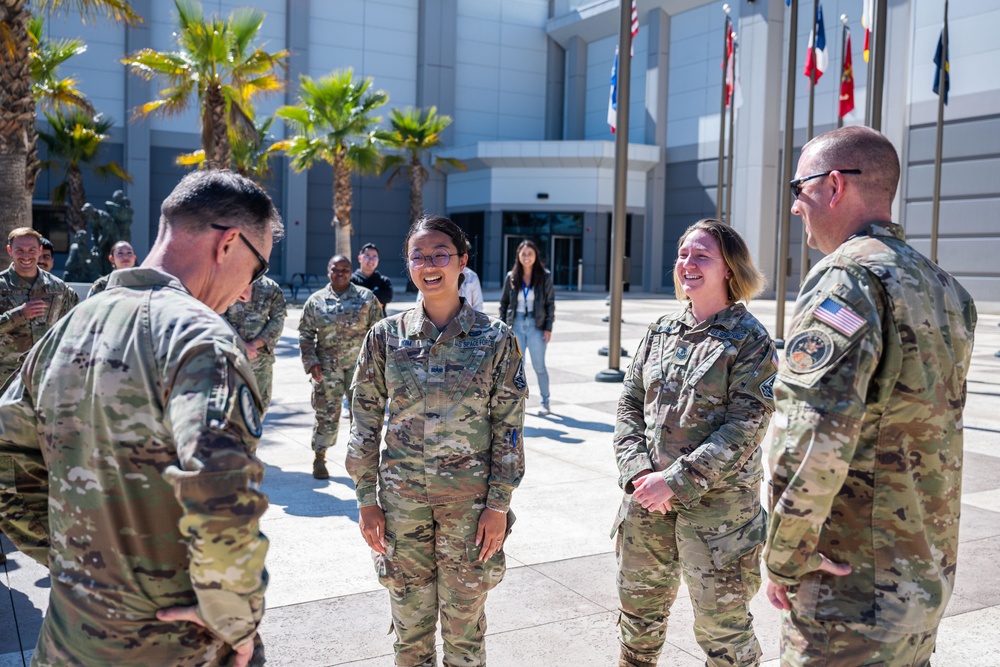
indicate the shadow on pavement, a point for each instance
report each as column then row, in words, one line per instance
column 28, row 618
column 599, row 427
column 301, row 495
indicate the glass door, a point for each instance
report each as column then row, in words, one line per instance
column 565, row 256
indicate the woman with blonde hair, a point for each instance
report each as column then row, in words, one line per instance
column 694, row 408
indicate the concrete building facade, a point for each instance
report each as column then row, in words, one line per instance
column 527, row 84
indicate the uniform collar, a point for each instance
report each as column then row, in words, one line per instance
column 881, row 228
column 351, row 290
column 15, row 278
column 727, row 318
column 418, row 324
column 139, row 277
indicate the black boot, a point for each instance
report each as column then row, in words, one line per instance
column 319, row 466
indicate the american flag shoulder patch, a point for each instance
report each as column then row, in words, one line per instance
column 840, row 317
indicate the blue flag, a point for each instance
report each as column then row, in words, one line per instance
column 946, row 67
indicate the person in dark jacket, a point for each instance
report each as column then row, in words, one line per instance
column 528, row 305
column 367, row 276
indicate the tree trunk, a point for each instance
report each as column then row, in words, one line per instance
column 342, row 200
column 416, row 189
column 215, row 131
column 76, row 197
column 17, row 116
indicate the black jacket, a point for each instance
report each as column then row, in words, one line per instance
column 545, row 300
column 377, row 283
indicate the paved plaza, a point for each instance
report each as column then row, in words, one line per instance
column 558, row 604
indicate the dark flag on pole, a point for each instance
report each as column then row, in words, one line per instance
column 847, row 80
column 946, row 67
column 613, row 97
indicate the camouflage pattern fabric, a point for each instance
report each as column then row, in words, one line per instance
column 263, row 318
column 127, row 467
column 810, row 643
column 432, row 561
column 694, row 408
column 99, row 286
column 867, row 453
column 454, row 445
column 331, row 331
column 456, row 410
column 17, row 333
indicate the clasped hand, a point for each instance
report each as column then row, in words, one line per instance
column 652, row 492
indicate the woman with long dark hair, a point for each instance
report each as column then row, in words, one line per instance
column 528, row 305
column 434, row 503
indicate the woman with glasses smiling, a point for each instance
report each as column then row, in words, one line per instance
column 434, row 502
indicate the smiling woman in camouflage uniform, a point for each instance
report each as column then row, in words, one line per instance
column 694, row 408
column 434, row 509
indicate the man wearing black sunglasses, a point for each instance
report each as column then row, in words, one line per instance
column 127, row 446
column 866, row 459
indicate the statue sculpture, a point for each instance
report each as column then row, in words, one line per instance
column 90, row 248
column 80, row 266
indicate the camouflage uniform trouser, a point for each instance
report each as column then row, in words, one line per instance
column 431, row 564
column 327, row 395
column 806, row 642
column 263, row 370
column 716, row 545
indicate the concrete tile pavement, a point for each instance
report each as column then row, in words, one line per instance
column 558, row 604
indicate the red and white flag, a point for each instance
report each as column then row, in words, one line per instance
column 734, row 94
column 867, row 19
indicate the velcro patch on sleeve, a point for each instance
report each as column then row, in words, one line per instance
column 839, row 316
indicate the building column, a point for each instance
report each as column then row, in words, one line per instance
column 493, row 271
column 576, row 90
column 757, row 139
column 295, row 194
column 137, row 136
column 437, row 23
column 555, row 91
column 657, row 80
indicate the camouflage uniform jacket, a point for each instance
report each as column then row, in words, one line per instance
column 456, row 410
column 333, row 326
column 127, row 467
column 99, row 286
column 263, row 317
column 867, row 453
column 696, row 402
column 17, row 333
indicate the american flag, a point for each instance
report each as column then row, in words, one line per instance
column 613, row 98
column 841, row 318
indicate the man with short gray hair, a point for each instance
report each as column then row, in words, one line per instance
column 127, row 448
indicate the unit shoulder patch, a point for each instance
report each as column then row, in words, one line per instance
column 248, row 408
column 808, row 350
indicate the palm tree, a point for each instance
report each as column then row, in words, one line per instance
column 335, row 124
column 251, row 155
column 75, row 139
column 49, row 90
column 414, row 132
column 217, row 62
column 17, row 106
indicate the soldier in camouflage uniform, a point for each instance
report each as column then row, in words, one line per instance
column 31, row 300
column 694, row 408
column 867, row 453
column 434, row 507
column 334, row 322
column 127, row 446
column 122, row 257
column 259, row 322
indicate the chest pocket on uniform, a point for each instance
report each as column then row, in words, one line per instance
column 405, row 367
column 469, row 362
column 705, row 364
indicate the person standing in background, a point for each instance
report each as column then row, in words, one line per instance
column 694, row 408
column 334, row 323
column 528, row 306
column 259, row 322
column 122, row 257
column 45, row 259
column 367, row 275
column 31, row 301
column 866, row 457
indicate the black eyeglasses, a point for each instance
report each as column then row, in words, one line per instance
column 264, row 264
column 438, row 259
column 796, row 185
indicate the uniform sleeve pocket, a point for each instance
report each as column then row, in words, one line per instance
column 729, row 546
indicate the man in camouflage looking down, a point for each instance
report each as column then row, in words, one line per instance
column 127, row 445
column 866, row 459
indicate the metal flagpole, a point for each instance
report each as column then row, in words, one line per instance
column 729, row 159
column 804, row 248
column 877, row 82
column 722, row 115
column 612, row 373
column 843, row 55
column 781, row 283
column 942, row 73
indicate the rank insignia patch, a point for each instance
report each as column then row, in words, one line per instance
column 808, row 351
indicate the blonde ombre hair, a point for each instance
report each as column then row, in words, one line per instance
column 746, row 281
